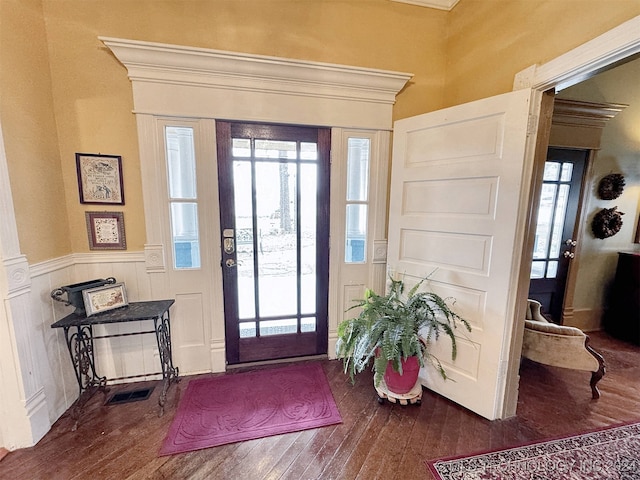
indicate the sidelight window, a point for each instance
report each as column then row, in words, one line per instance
column 183, row 198
column 357, row 199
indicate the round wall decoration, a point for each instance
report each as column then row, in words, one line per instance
column 607, row 222
column 611, row 186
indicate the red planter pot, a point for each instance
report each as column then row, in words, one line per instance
column 402, row 384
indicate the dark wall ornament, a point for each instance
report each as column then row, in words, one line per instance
column 611, row 186
column 607, row 222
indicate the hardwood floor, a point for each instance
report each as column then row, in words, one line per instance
column 373, row 442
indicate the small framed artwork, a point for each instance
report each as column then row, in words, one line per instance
column 106, row 297
column 106, row 230
column 100, row 178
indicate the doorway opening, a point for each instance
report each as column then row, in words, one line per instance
column 274, row 214
column 555, row 238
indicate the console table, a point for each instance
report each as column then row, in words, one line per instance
column 622, row 319
column 78, row 333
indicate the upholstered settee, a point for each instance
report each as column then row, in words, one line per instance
column 560, row 346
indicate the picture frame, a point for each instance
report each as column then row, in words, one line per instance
column 105, row 230
column 104, row 298
column 100, row 178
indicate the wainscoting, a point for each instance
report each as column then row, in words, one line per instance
column 40, row 354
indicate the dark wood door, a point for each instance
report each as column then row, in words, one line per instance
column 274, row 214
column 555, row 240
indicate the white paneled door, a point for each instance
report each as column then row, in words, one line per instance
column 455, row 199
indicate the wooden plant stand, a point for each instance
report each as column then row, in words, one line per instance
column 413, row 396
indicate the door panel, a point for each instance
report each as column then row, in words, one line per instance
column 555, row 242
column 274, row 222
column 455, row 199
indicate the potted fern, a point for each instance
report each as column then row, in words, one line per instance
column 393, row 331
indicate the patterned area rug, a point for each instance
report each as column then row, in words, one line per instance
column 612, row 454
column 243, row 406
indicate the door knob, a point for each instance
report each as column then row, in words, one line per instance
column 571, row 242
column 230, row 262
column 568, row 254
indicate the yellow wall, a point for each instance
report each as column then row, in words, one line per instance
column 29, row 130
column 490, row 41
column 478, row 47
column 93, row 100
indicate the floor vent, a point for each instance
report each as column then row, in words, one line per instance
column 129, row 396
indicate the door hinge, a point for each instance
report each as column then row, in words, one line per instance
column 532, row 125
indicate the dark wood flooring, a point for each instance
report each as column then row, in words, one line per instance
column 373, row 442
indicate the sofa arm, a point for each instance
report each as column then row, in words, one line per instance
column 558, row 346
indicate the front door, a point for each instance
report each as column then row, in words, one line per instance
column 555, row 240
column 458, row 197
column 274, row 214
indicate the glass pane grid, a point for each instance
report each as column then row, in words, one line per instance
column 276, row 252
column 357, row 196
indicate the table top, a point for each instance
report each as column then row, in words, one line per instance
column 130, row 313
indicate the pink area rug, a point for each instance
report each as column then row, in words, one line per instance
column 610, row 453
column 243, row 406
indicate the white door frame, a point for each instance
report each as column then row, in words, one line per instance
column 576, row 65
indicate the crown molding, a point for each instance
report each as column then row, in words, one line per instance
column 584, row 114
column 439, row 4
column 174, row 64
column 181, row 81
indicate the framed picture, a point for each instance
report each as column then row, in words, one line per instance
column 106, row 230
column 100, row 178
column 106, row 297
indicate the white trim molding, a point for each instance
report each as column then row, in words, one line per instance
column 584, row 61
column 154, row 258
column 438, row 4
column 18, row 277
column 240, row 86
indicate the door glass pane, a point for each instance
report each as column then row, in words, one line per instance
column 184, row 231
column 276, row 149
column 277, row 238
column 308, row 215
column 551, row 171
column 558, row 222
column 358, row 169
column 241, row 147
column 567, row 172
column 181, row 163
column 545, row 215
column 356, row 235
column 244, row 239
column 537, row 269
column 247, row 329
column 278, row 327
column 552, row 269
column 308, row 325
column 308, row 151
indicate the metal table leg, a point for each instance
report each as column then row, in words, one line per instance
column 169, row 372
column 80, row 345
